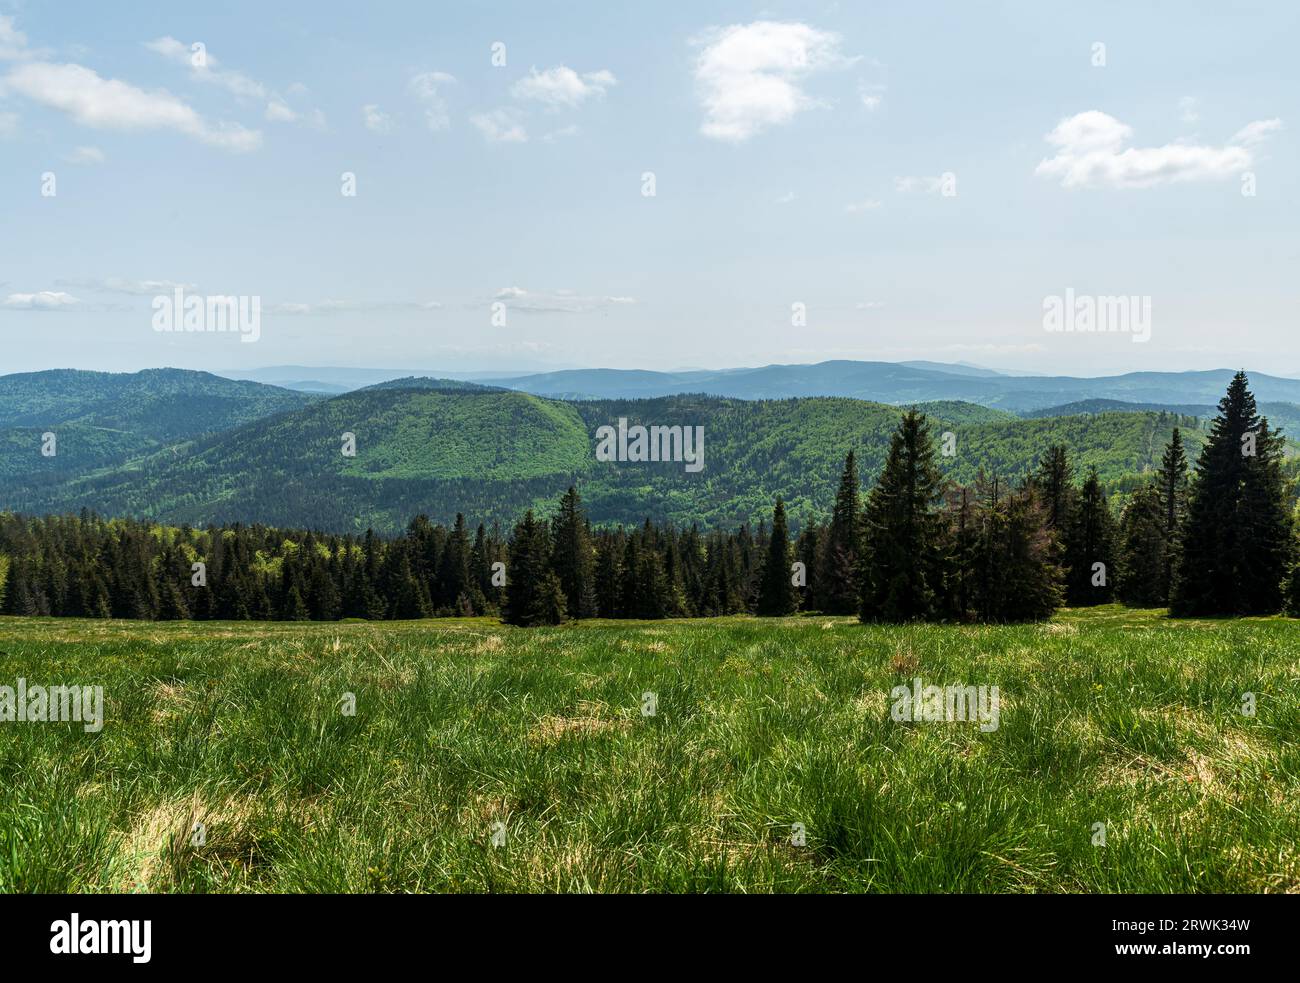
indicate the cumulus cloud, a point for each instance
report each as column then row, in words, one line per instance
column 561, row 87
column 45, row 300
column 1092, row 151
column 426, row 87
column 857, row 207
column 102, row 103
column 499, row 126
column 748, row 75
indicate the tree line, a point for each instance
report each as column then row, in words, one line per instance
column 916, row 547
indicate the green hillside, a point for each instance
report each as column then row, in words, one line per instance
column 492, row 453
column 104, row 419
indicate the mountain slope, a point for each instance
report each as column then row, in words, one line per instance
column 493, row 453
column 103, row 419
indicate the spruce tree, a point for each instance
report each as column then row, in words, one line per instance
column 1143, row 550
column 1090, row 540
column 1054, row 481
column 902, row 569
column 1171, row 484
column 837, row 586
column 1236, row 542
column 533, row 595
column 776, row 595
column 572, row 557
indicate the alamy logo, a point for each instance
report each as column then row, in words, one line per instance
column 179, row 312
column 55, row 704
column 946, row 704
column 101, row 937
column 1085, row 313
column 638, row 443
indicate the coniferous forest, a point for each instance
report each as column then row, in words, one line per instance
column 1216, row 539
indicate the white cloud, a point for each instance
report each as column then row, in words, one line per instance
column 102, row 103
column 1187, row 109
column 557, row 301
column 118, row 285
column 1091, row 152
column 748, row 75
column 207, row 68
column 376, row 120
column 909, row 185
column 279, row 111
column 499, row 126
column 13, row 42
column 204, row 67
column 561, row 87
column 1256, row 132
column 856, row 207
column 425, row 87
column 86, row 155
column 785, row 199
column 45, row 300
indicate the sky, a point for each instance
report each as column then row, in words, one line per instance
column 531, row 186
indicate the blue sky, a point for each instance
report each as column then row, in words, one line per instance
column 798, row 152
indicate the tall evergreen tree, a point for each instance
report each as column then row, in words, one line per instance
column 1236, row 543
column 837, row 587
column 533, row 593
column 1171, row 483
column 1090, row 541
column 1143, row 549
column 572, row 557
column 1054, row 481
column 902, row 568
column 776, row 596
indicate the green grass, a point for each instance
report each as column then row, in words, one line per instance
column 1107, row 716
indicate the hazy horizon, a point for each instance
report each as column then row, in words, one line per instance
column 521, row 189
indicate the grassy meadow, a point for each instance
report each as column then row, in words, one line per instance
column 1107, row 715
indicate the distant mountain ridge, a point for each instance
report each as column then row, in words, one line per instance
column 894, row 383
column 902, row 384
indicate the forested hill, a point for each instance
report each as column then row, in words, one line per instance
column 491, row 454
column 104, row 419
